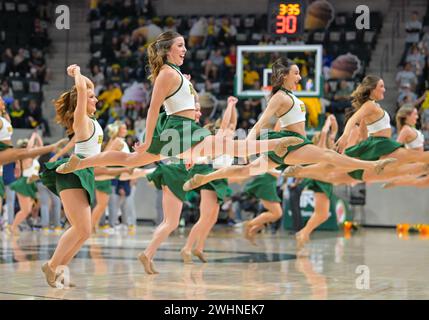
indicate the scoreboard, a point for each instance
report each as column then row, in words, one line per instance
column 286, row 18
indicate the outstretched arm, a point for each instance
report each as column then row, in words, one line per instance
column 64, row 150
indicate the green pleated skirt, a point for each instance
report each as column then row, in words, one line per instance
column 80, row 179
column 219, row 186
column 26, row 189
column 173, row 175
column 4, row 146
column 174, row 135
column 263, row 187
column 319, row 186
column 104, row 186
column 282, row 134
column 371, row 149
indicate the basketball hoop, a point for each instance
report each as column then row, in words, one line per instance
column 267, row 88
column 267, row 91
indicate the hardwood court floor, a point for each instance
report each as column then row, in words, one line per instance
column 107, row 268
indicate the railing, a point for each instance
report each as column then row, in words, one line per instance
column 395, row 31
column 384, row 61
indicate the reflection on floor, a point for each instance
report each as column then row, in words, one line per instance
column 370, row 264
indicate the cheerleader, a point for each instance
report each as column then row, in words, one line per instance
column 290, row 111
column 75, row 111
column 175, row 132
column 25, row 187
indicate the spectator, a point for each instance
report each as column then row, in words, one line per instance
column 170, row 24
column 406, row 76
column 231, row 58
column 7, row 58
column 6, row 92
column 213, row 65
column 227, row 32
column 97, row 79
column 35, row 119
column 17, row 115
column 38, row 63
column 405, row 92
column 250, row 77
column 20, row 62
column 149, row 32
column 115, row 74
column 212, row 31
column 416, row 59
column 413, row 28
column 198, row 33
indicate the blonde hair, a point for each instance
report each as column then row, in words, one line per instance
column 402, row 115
column 280, row 68
column 157, row 52
column 363, row 90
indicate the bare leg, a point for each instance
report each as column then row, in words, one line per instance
column 97, row 212
column 274, row 212
column 78, row 212
column 257, row 167
column 335, row 175
column 25, row 204
column 199, row 246
column 219, row 144
column 408, row 155
column 109, row 158
column 320, row 215
column 210, row 146
column 408, row 182
column 172, row 208
column 393, row 172
column 311, row 154
column 208, row 207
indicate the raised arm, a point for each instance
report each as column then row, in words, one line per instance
column 229, row 120
column 32, row 142
column 80, row 113
column 324, row 134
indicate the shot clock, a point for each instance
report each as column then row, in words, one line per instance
column 286, row 18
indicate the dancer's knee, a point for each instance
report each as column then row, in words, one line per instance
column 84, row 231
column 322, row 215
column 277, row 214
